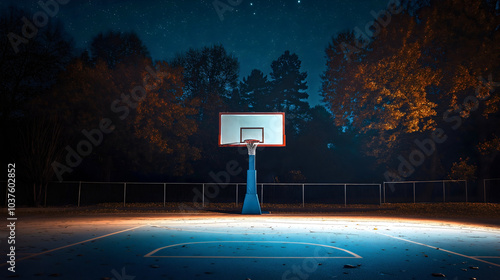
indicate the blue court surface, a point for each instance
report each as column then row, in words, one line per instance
column 225, row 246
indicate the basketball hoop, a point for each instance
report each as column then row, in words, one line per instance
column 265, row 129
column 252, row 146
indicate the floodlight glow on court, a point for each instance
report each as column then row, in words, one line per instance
column 266, row 247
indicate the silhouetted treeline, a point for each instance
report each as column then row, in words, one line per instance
column 398, row 104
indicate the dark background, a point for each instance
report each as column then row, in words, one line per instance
column 359, row 95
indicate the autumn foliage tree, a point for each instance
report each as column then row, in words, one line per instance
column 462, row 170
column 433, row 66
column 166, row 121
column 150, row 120
column 210, row 77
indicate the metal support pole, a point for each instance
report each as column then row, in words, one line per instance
column 345, row 195
column 236, row 194
column 164, row 194
column 251, row 203
column 203, row 195
column 444, row 193
column 466, row 196
column 79, row 192
column 124, row 193
column 303, row 195
column 413, row 192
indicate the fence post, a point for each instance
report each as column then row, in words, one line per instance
column 79, row 192
column 413, row 192
column 262, row 193
column 164, row 194
column 444, row 192
column 466, row 196
column 384, row 192
column 236, row 194
column 303, row 195
column 345, row 195
column 203, row 195
column 379, row 194
column 124, row 193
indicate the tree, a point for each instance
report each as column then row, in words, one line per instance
column 317, row 146
column 210, row 75
column 118, row 47
column 165, row 120
column 41, row 144
column 462, row 170
column 288, row 87
column 82, row 98
column 255, row 91
column 107, row 85
column 380, row 95
column 29, row 67
column 210, row 78
column 150, row 123
column 30, row 62
column 418, row 74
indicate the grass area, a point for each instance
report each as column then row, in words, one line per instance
column 430, row 210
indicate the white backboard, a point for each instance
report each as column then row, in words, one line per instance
column 267, row 128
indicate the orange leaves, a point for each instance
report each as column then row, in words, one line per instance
column 463, row 79
column 393, row 90
column 165, row 119
column 489, row 146
column 415, row 72
column 462, row 170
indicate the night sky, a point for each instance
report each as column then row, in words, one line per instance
column 256, row 32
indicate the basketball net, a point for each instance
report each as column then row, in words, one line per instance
column 252, row 146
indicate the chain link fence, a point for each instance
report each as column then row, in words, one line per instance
column 83, row 193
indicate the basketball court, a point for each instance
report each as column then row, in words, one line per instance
column 225, row 246
column 234, row 246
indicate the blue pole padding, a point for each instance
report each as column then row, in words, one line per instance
column 251, row 204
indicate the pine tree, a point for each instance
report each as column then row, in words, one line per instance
column 288, row 85
column 254, row 91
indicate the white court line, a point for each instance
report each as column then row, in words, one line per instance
column 66, row 246
column 354, row 255
column 440, row 249
column 245, row 257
